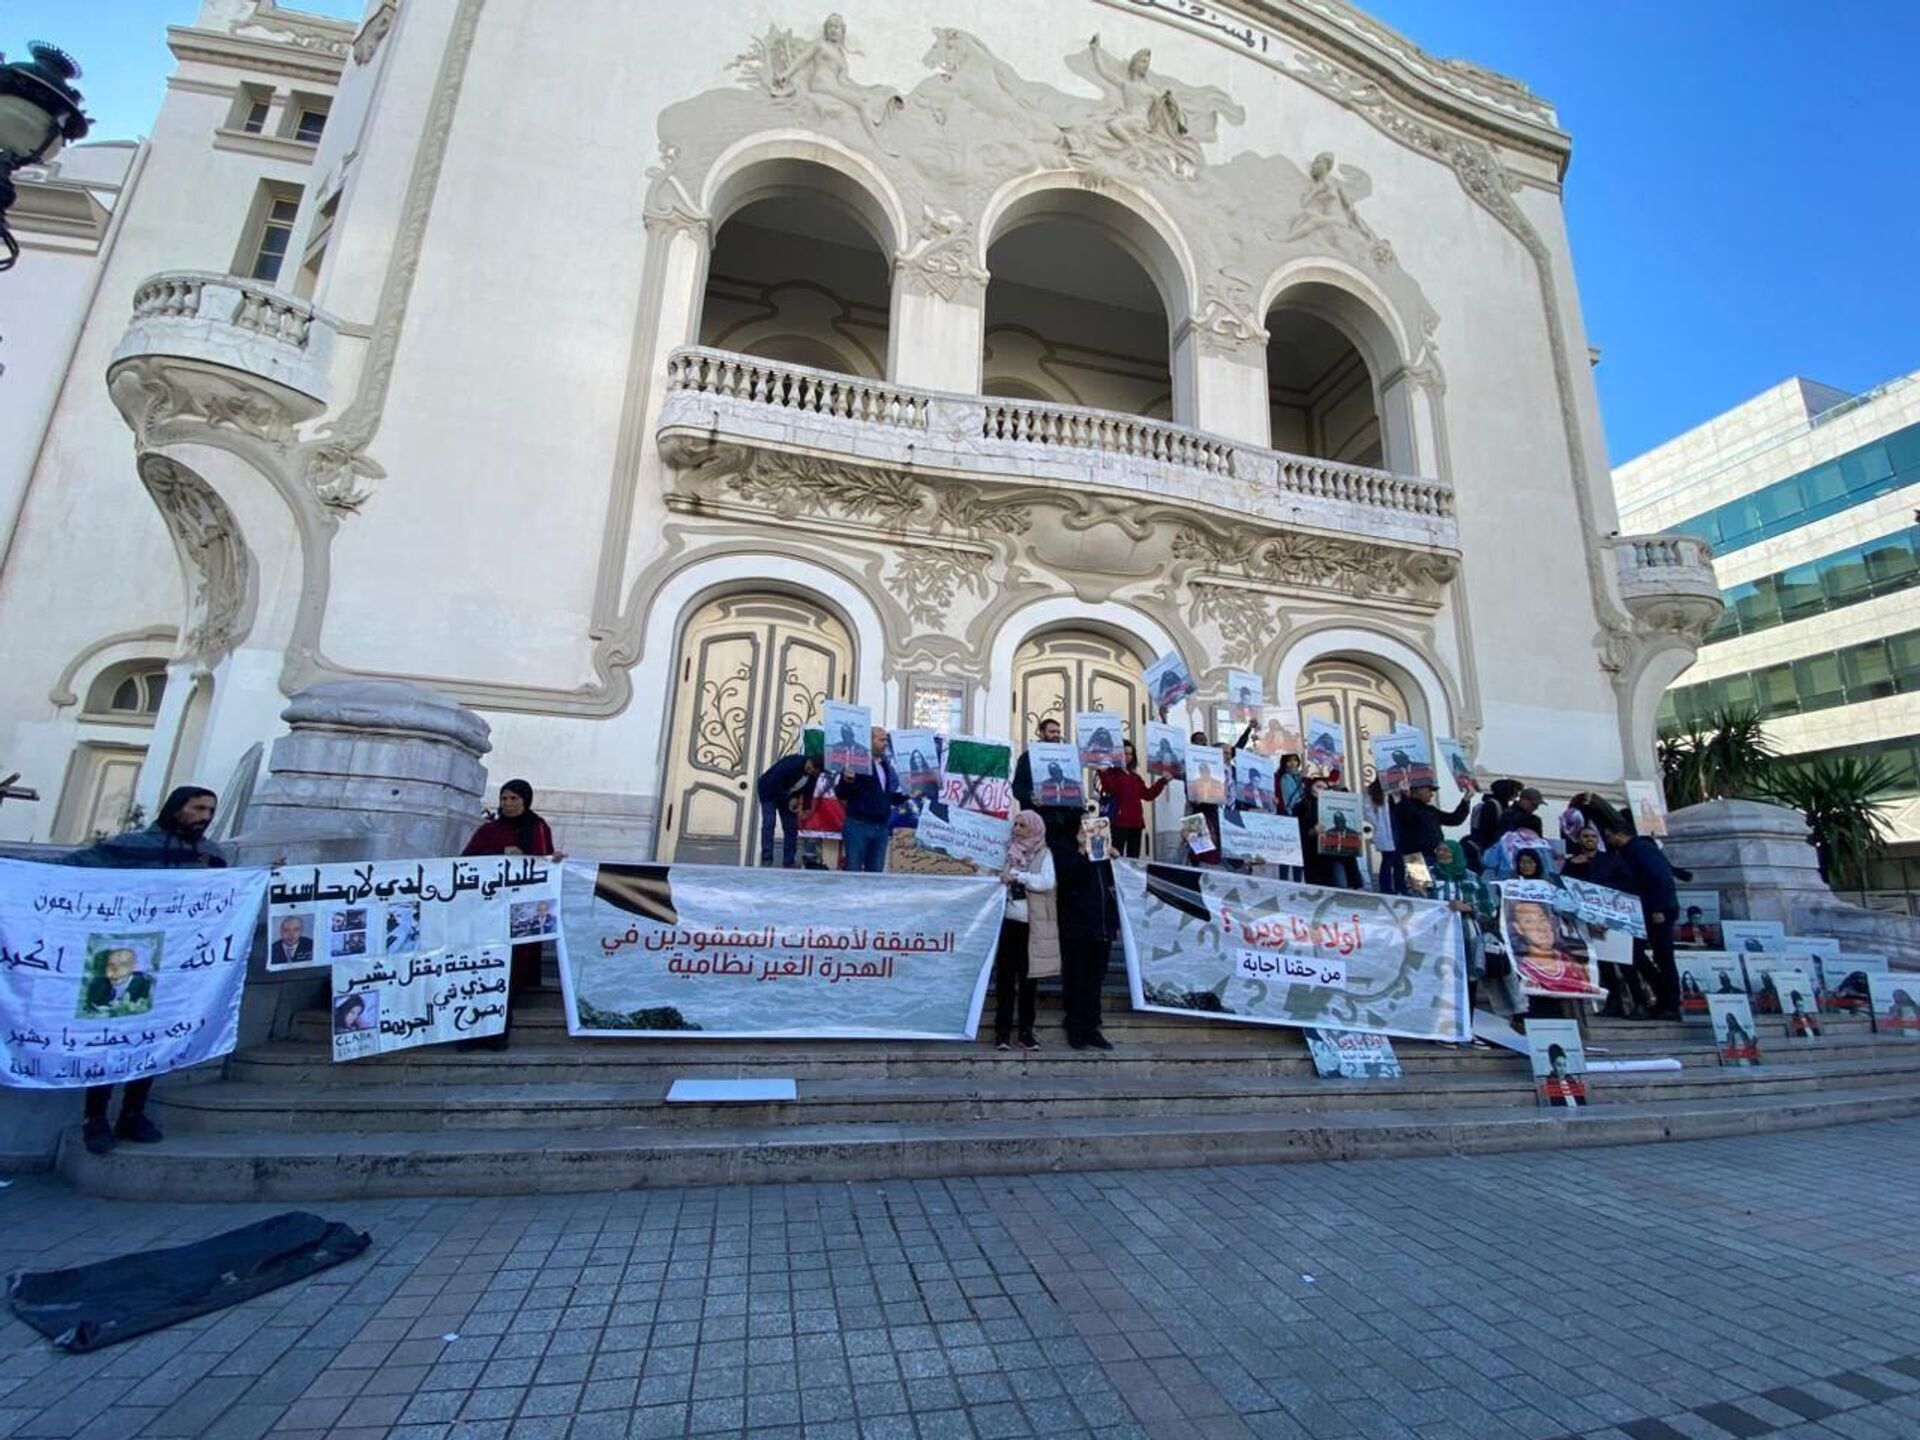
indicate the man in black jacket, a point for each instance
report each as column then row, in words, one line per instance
column 869, row 800
column 1417, row 821
column 785, row 783
column 1650, row 876
column 1061, row 820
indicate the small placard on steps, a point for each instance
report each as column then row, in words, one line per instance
column 730, row 1092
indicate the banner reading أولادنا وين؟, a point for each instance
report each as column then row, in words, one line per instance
column 1229, row 946
column 112, row 975
column 715, row 950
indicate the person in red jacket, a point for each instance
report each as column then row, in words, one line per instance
column 1129, row 793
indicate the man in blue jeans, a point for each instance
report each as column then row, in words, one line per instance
column 782, row 789
column 869, row 800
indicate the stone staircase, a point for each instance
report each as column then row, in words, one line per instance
column 552, row 1113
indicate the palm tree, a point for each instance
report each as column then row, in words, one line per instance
column 1726, row 757
column 1841, row 796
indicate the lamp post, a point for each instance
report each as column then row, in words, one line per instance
column 39, row 113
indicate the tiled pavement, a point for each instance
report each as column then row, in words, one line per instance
column 1727, row 1288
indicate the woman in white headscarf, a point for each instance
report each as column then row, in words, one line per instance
column 1029, row 935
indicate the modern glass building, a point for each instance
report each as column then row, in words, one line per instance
column 1810, row 498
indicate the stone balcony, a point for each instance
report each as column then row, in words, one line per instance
column 1668, row 579
column 716, row 397
column 235, row 352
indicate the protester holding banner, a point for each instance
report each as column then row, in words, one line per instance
column 869, row 796
column 1650, row 876
column 514, row 830
column 177, row 840
column 1029, row 934
column 1129, row 794
column 1063, row 821
column 1089, row 924
column 782, row 791
column 1211, row 809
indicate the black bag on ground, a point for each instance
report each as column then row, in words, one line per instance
column 90, row 1306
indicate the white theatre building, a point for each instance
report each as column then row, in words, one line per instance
column 643, row 375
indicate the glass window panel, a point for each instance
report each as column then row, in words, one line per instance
column 256, row 120
column 1800, row 592
column 126, row 695
column 1903, row 449
column 1782, row 502
column 156, row 688
column 267, row 267
column 1865, row 466
column 284, row 211
column 1730, row 690
column 1891, row 562
column 1824, row 484
column 1843, row 577
column 1869, row 672
column 312, row 122
column 1759, row 607
column 1816, row 680
column 1905, row 653
column 1726, row 627
column 1774, row 691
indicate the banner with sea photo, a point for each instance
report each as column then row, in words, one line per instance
column 1227, row 946
column 977, row 774
column 717, row 951
column 114, row 975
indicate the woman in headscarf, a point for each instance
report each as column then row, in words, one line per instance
column 515, row 829
column 1489, row 971
column 1029, row 934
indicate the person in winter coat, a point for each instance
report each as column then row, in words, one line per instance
column 1417, row 821
column 1089, row 917
column 1029, row 935
column 514, row 830
column 1650, row 876
column 1129, row 794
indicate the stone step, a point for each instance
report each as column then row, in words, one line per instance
column 1017, row 1090
column 328, row 1165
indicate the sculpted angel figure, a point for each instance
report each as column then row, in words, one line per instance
column 1147, row 117
column 819, row 67
column 1329, row 206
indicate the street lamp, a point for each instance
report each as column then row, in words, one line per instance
column 39, row 113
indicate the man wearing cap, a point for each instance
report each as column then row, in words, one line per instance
column 1417, row 821
column 1524, row 813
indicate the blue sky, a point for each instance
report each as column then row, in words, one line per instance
column 1744, row 198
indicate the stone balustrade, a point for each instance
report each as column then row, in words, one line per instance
column 716, row 395
column 1665, row 565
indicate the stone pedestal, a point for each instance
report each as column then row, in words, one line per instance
column 1759, row 859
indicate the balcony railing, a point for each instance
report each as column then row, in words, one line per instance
column 1665, row 565
column 238, row 326
column 740, row 398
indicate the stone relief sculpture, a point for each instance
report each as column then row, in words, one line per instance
column 789, row 68
column 217, row 566
column 941, row 258
column 1328, row 211
column 1146, row 119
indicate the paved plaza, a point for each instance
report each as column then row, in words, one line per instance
column 1725, row 1288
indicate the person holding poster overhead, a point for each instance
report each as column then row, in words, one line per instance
column 1417, row 821
column 1332, row 866
column 1029, row 933
column 514, row 830
column 1129, row 794
column 869, row 796
column 1062, row 819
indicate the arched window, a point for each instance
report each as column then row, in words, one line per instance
column 129, row 692
column 1320, row 394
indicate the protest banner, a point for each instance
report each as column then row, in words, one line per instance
column 1608, row 908
column 381, row 1005
column 1166, row 751
column 1454, row 756
column 114, row 975
column 1267, row 839
column 1195, row 835
column 1168, row 681
column 1704, row 974
column 1649, row 805
column 1731, row 1018
column 1547, row 946
column 1253, row 782
column 1894, row 1000
column 1754, row 937
column 1326, row 745
column 1402, row 759
column 1099, row 735
column 1559, row 1062
column 1352, row 1055
column 716, row 951
column 976, row 774
column 1843, row 981
column 1055, row 767
column 980, row 840
column 1246, row 695
column 1206, row 774
column 1699, row 919
column 1341, row 823
column 849, row 737
column 1229, row 946
column 392, row 909
column 1279, row 732
column 916, row 760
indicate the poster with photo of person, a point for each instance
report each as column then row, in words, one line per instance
column 1352, row 1055
column 1166, row 752
column 1206, row 774
column 1649, row 805
column 1735, row 1037
column 1895, row 998
column 1559, row 1063
column 1547, row 945
column 1843, row 982
column 1056, row 773
column 1342, row 823
column 1099, row 735
column 1326, row 746
column 1402, row 759
column 1254, row 779
column 1279, row 731
column 916, row 760
column 1168, row 681
column 1706, row 973
column 1246, row 695
column 849, row 731
column 1459, row 764
column 1698, row 922
column 1754, row 937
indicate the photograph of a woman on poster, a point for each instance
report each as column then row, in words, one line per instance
column 1736, row 1046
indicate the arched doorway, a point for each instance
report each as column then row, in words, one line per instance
column 753, row 672
column 1359, row 699
column 1058, row 672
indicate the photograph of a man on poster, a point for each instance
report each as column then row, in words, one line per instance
column 119, row 977
column 1548, row 948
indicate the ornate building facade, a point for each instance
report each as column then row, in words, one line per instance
column 644, row 395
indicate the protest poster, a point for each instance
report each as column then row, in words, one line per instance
column 1843, row 981
column 1099, row 735
column 1326, row 745
column 1754, row 937
column 1341, row 823
column 1259, row 837
column 1773, row 979
column 1246, row 696
column 1352, row 1055
column 1223, row 945
column 1559, row 1063
column 1810, row 946
column 1704, row 974
column 916, row 760
column 1454, row 756
column 1055, row 766
column 849, row 737
column 115, row 975
column 1254, row 779
column 1608, row 908
column 1206, row 774
column 1547, row 946
column 423, row 998
column 1799, row 1002
column 980, row 840
column 1402, row 759
column 976, row 774
column 392, row 909
column 1733, row 1029
column 1279, row 732
column 1195, row 835
column 1699, row 919
column 1166, row 751
column 1168, row 681
column 1096, row 838
column 713, row 951
column 1649, row 805
column 1894, row 998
